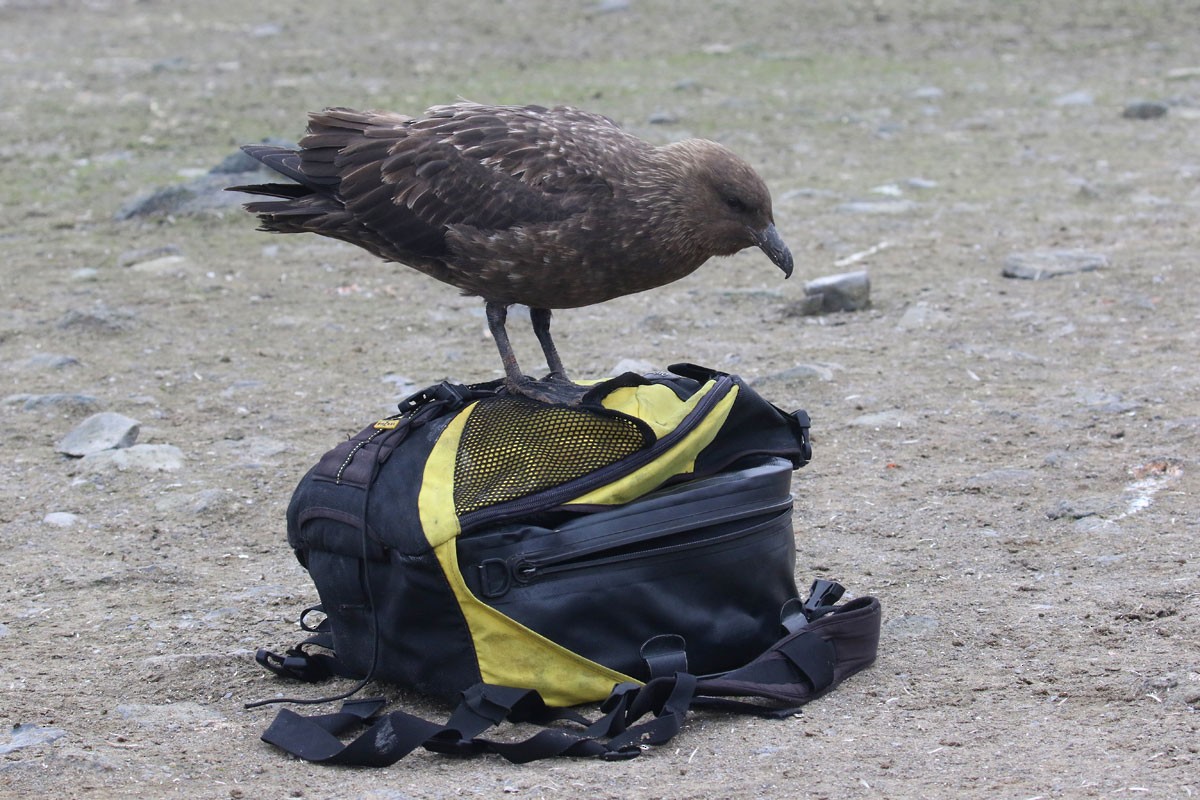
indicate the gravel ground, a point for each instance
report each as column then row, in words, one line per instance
column 1009, row 464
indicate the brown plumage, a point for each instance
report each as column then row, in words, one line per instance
column 552, row 208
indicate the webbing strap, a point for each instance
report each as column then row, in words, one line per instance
column 798, row 668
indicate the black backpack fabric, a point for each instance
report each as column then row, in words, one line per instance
column 636, row 549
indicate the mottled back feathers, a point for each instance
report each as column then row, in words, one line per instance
column 553, row 208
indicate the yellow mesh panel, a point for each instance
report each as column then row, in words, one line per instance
column 520, row 447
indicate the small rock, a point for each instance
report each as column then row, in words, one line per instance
column 883, row 419
column 101, row 320
column 61, row 519
column 1078, row 509
column 921, row 183
column 1144, row 109
column 66, row 403
column 877, row 207
column 928, row 93
column 104, row 431
column 51, row 361
column 847, row 291
column 1079, row 98
column 1096, row 525
column 29, row 735
column 160, row 266
column 663, row 118
column 146, row 457
column 1041, row 264
column 137, row 256
column 635, row 365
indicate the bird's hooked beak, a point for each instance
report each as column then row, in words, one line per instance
column 768, row 239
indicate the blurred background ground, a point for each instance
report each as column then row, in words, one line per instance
column 1009, row 464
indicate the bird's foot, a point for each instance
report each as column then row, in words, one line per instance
column 554, row 389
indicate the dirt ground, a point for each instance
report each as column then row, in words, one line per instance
column 1009, row 465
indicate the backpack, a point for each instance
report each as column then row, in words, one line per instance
column 636, row 549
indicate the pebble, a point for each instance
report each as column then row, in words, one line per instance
column 1078, row 509
column 107, row 430
column 928, row 93
column 1144, row 109
column 1079, row 98
column 100, row 320
column 51, row 361
column 27, row 734
column 143, row 457
column 66, row 403
column 846, row 291
column 884, row 419
column 140, row 254
column 878, row 207
column 1041, row 264
column 635, row 365
column 1095, row 524
column 160, row 266
column 61, row 519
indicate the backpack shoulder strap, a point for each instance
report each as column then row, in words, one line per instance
column 834, row 643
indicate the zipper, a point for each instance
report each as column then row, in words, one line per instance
column 528, row 570
column 560, row 494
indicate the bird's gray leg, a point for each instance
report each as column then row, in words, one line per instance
column 540, row 317
column 497, row 314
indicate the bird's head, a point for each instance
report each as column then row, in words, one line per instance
column 726, row 204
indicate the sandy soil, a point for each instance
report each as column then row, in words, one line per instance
column 1010, row 465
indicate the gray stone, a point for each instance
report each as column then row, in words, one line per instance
column 1041, row 264
column 877, row 207
column 164, row 265
column 29, row 735
column 884, row 419
column 51, row 361
column 1096, row 525
column 142, row 254
column 100, row 320
column 1144, row 109
column 107, row 430
column 635, row 365
column 847, row 291
column 1080, row 98
column 66, row 403
column 61, row 519
column 144, row 457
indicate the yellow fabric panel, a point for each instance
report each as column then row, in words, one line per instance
column 512, row 655
column 509, row 653
column 435, row 502
column 678, row 460
column 656, row 405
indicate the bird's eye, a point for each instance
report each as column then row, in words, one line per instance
column 735, row 204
